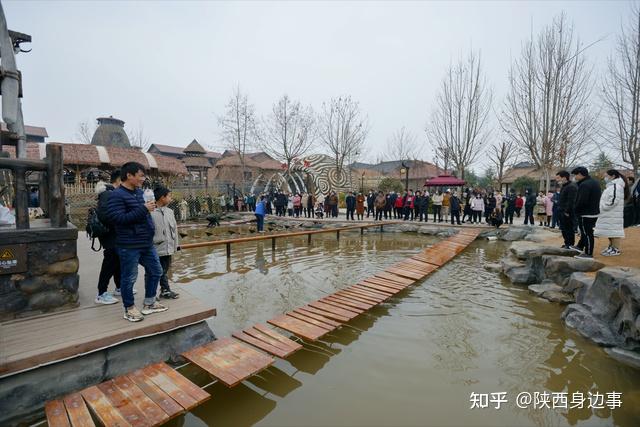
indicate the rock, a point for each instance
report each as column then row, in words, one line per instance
column 558, row 296
column 46, row 300
column 70, row 283
column 45, row 253
column 36, row 284
column 541, row 288
column 524, row 250
column 631, row 358
column 519, row 273
column 492, row 266
column 11, row 303
column 603, row 298
column 578, row 317
column 539, row 235
column 514, row 234
column 64, row 267
column 560, row 268
column 578, row 284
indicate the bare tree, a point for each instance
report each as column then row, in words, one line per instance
column 138, row 139
column 238, row 128
column 501, row 155
column 288, row 132
column 402, row 145
column 342, row 129
column 546, row 111
column 458, row 127
column 85, row 131
column 621, row 92
column 442, row 157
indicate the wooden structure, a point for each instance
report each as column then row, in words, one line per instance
column 51, row 193
column 231, row 361
column 273, row 237
column 40, row 340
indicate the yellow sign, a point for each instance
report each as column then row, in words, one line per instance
column 7, row 254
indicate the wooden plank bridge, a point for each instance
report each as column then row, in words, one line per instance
column 157, row 393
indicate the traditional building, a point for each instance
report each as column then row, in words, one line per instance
column 370, row 175
column 196, row 163
column 110, row 133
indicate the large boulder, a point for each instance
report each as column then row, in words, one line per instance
column 631, row 358
column 516, row 233
column 552, row 292
column 524, row 250
column 519, row 273
column 560, row 268
column 579, row 317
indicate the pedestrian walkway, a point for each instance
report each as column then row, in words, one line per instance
column 153, row 395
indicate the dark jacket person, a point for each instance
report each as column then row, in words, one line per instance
column 131, row 215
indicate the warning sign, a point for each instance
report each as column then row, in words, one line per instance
column 13, row 259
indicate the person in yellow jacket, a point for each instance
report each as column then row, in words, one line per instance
column 446, row 197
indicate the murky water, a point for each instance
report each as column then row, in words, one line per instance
column 415, row 359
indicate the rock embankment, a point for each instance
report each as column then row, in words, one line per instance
column 603, row 302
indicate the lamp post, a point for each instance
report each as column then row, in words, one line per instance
column 362, row 183
column 405, row 170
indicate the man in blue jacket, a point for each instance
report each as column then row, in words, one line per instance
column 131, row 216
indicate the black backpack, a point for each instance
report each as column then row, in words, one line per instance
column 95, row 228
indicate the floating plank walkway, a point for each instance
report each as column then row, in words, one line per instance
column 157, row 393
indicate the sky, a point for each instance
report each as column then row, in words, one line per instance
column 170, row 67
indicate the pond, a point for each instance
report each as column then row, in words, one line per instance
column 413, row 360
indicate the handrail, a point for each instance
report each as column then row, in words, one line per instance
column 281, row 235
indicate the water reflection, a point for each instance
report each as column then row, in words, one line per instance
column 413, row 360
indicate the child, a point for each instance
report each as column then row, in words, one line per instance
column 165, row 239
column 496, row 218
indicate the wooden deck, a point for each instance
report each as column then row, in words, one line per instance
column 40, row 340
column 153, row 395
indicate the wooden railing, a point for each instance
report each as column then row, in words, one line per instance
column 273, row 237
column 51, row 192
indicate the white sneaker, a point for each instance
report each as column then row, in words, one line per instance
column 118, row 294
column 606, row 251
column 106, row 298
column 613, row 252
column 156, row 307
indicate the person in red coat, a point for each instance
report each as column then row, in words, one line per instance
column 519, row 204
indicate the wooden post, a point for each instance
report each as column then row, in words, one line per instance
column 309, row 238
column 273, row 244
column 338, row 234
column 22, row 200
column 361, row 231
column 57, row 212
column 381, row 228
column 43, row 193
column 228, row 250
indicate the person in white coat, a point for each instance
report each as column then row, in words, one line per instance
column 610, row 221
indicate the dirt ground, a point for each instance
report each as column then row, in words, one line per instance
column 630, row 256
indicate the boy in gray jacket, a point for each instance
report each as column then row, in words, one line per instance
column 165, row 238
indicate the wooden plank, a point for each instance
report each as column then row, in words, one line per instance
column 386, row 291
column 341, row 306
column 56, row 414
column 102, row 408
column 376, row 296
column 356, row 296
column 153, row 413
column 311, row 320
column 165, row 383
column 379, row 288
column 251, row 359
column 368, row 291
column 386, row 283
column 394, row 278
column 322, row 319
column 122, row 404
column 298, row 327
column 262, row 345
column 349, row 302
column 77, row 410
column 409, row 266
column 265, row 329
column 404, row 273
column 328, row 314
column 333, row 309
column 185, row 385
column 382, row 285
column 216, row 366
column 155, row 393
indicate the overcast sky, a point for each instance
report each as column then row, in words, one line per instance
column 171, row 66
